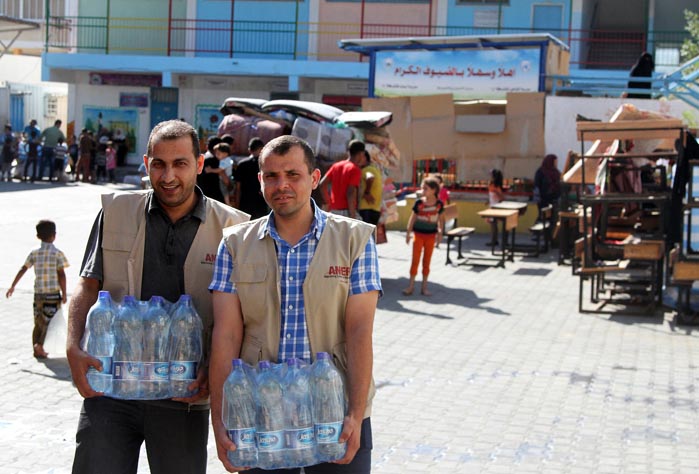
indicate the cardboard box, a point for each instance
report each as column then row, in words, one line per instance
column 426, row 127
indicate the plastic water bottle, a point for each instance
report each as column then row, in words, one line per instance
column 155, row 381
column 328, row 408
column 239, row 416
column 128, row 333
column 185, row 347
column 270, row 419
column 298, row 421
column 99, row 342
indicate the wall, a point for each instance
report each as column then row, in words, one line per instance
column 18, row 68
column 620, row 15
column 341, row 20
column 561, row 111
column 4, row 104
column 518, row 14
column 86, row 94
column 669, row 14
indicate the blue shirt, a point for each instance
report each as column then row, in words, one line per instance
column 293, row 264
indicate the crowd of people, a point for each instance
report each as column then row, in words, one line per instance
column 32, row 154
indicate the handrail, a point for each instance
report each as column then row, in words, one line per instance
column 674, row 84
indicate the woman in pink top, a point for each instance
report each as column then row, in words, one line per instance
column 111, row 162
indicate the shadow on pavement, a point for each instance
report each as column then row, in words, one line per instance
column 533, row 271
column 394, row 300
column 59, row 367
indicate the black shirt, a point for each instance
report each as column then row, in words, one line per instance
column 251, row 199
column 166, row 247
column 210, row 183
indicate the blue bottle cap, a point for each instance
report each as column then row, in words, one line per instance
column 104, row 294
column 157, row 299
column 323, row 356
column 291, row 362
column 237, row 363
column 264, row 365
column 186, row 298
column 128, row 299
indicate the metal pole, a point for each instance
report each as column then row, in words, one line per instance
column 230, row 47
column 47, row 13
column 429, row 20
column 499, row 15
column 296, row 28
column 169, row 28
column 361, row 22
column 109, row 12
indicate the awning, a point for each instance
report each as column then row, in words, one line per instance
column 10, row 29
column 366, row 46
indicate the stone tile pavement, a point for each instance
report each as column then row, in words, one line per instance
column 496, row 372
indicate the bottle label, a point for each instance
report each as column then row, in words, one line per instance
column 270, row 440
column 155, row 371
column 244, row 438
column 327, row 433
column 299, row 439
column 106, row 366
column 183, row 370
column 124, row 370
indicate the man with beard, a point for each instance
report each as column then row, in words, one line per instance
column 141, row 244
column 294, row 283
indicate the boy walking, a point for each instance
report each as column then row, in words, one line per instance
column 49, row 284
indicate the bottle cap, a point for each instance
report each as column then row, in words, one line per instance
column 323, row 356
column 128, row 299
column 264, row 365
column 185, row 298
column 156, row 299
column 291, row 362
column 104, row 294
column 237, row 363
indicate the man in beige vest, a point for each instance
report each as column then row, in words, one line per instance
column 295, row 283
column 161, row 242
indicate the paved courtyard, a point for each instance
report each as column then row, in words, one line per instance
column 496, row 372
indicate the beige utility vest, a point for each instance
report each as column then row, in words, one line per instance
column 123, row 244
column 325, row 290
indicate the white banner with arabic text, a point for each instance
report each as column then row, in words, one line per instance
column 467, row 73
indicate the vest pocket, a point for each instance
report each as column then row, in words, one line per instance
column 251, row 352
column 116, row 249
column 250, row 281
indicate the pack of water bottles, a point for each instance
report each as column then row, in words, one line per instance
column 149, row 350
column 284, row 415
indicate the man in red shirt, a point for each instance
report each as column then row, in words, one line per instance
column 340, row 185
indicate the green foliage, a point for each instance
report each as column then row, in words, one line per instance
column 690, row 47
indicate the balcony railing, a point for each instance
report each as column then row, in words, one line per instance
column 590, row 49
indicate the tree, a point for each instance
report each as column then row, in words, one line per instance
column 690, row 47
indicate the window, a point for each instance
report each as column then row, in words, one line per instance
column 50, row 106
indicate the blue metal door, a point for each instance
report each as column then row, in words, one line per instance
column 163, row 104
column 17, row 112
